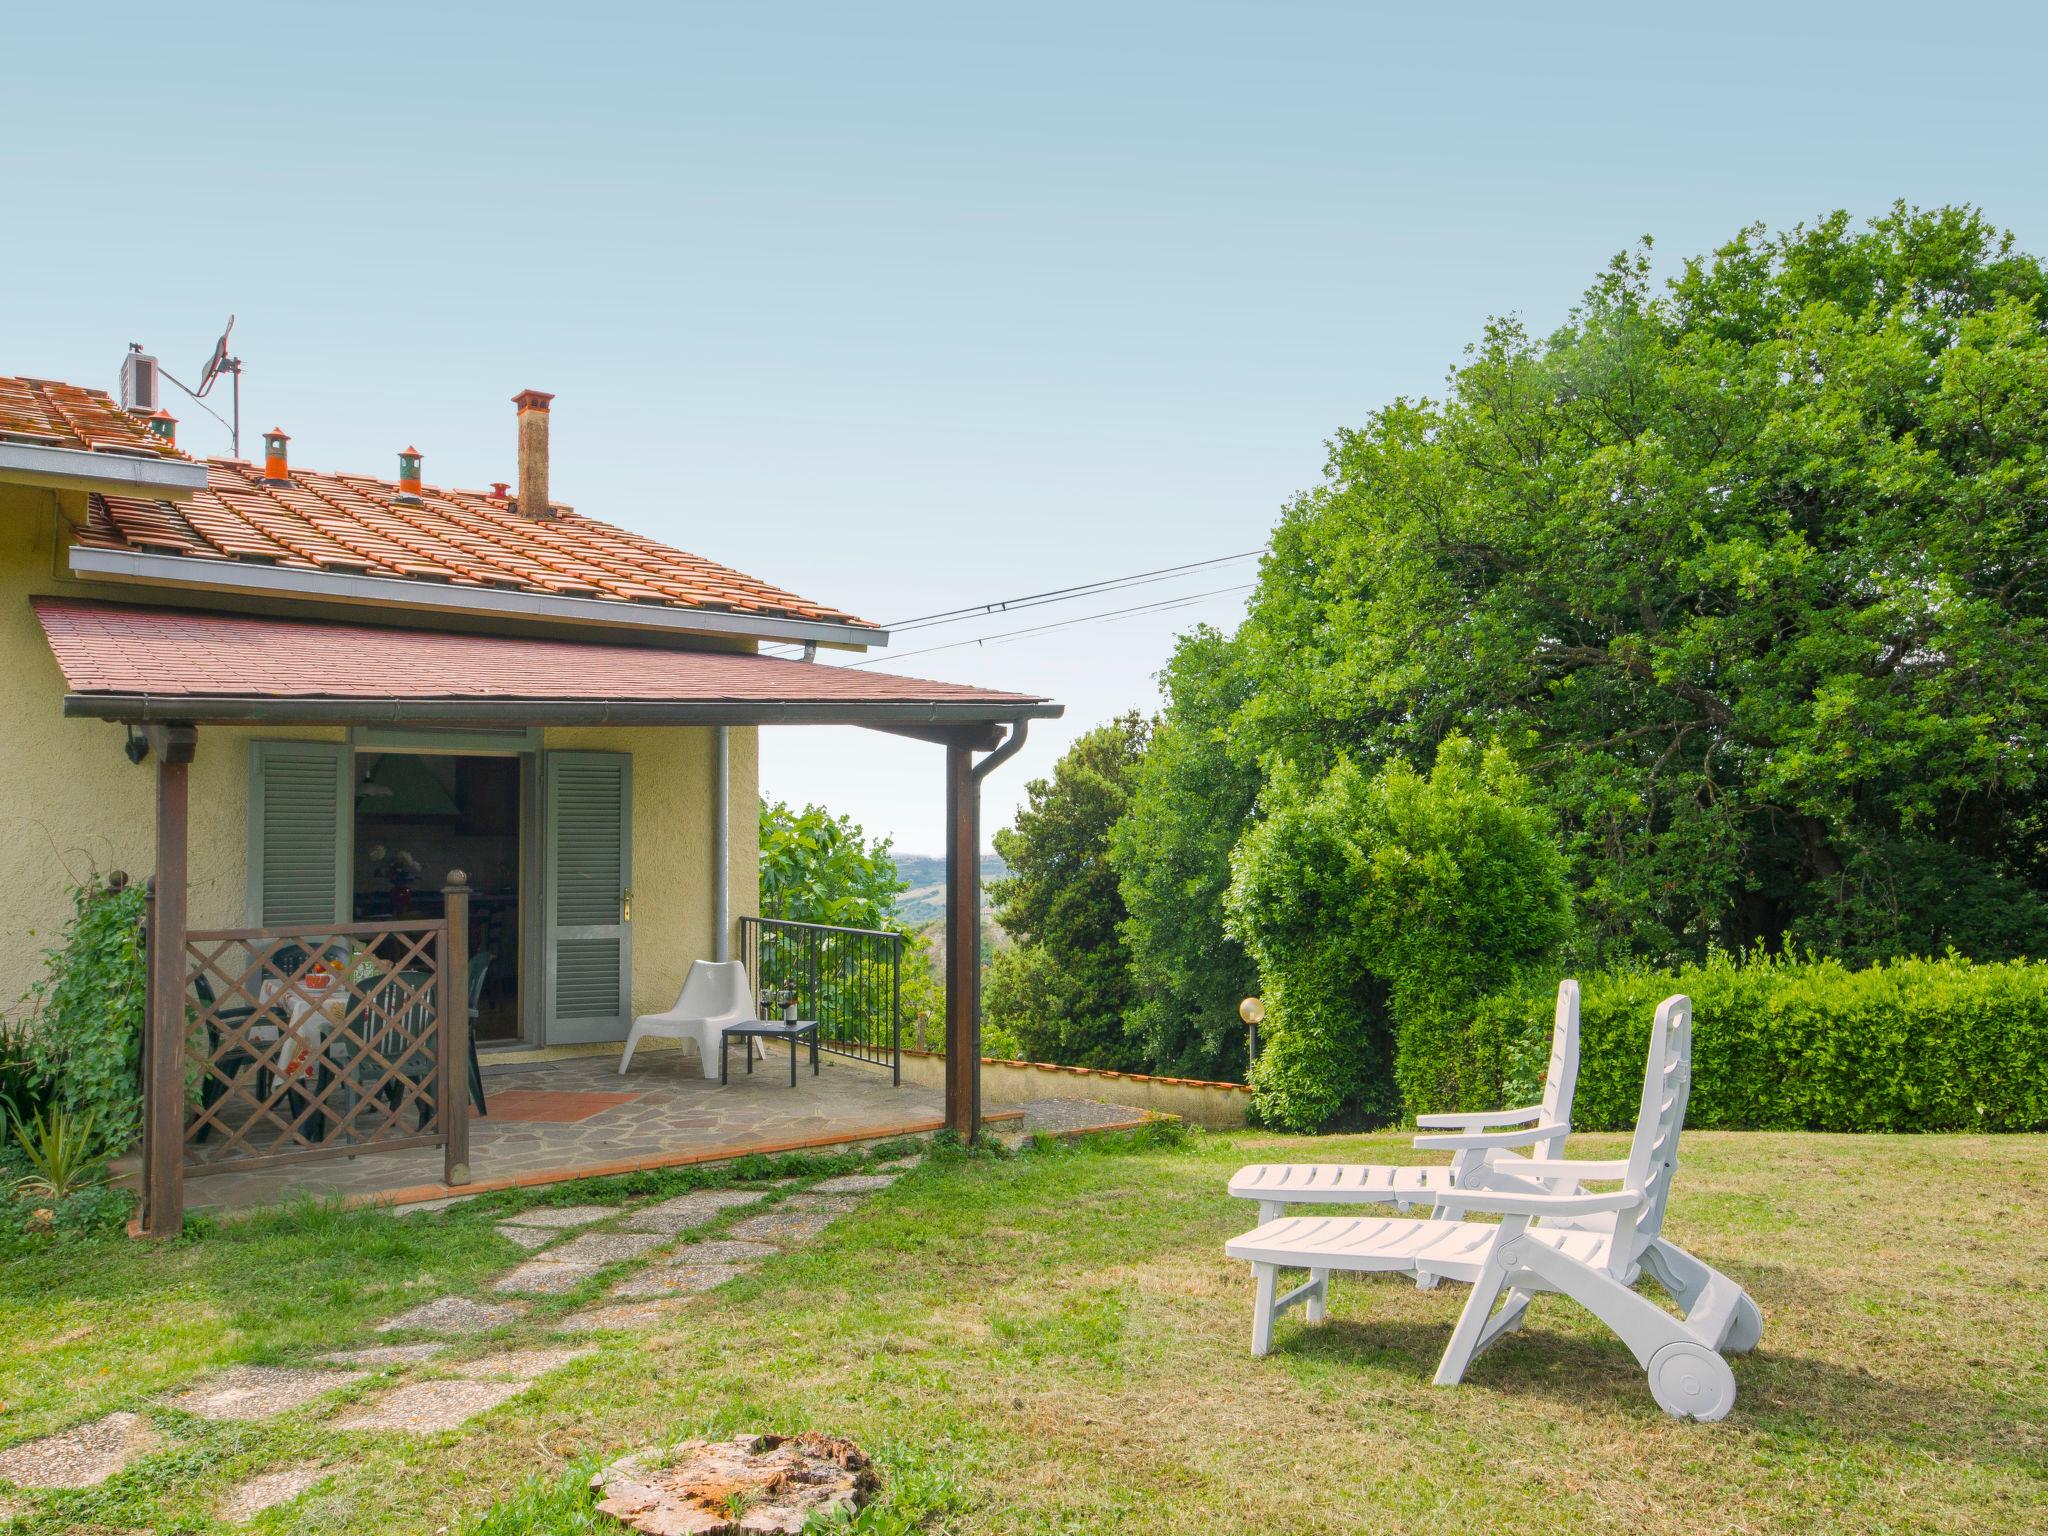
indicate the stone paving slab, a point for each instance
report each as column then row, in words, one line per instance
column 521, row 1364
column 529, row 1238
column 690, row 1210
column 266, row 1490
column 854, row 1184
column 1062, row 1116
column 724, row 1250
column 83, row 1457
column 683, row 1280
column 562, row 1215
column 810, row 1200
column 782, row 1226
column 545, row 1277
column 678, row 1115
column 248, row 1392
column 455, row 1314
column 428, row 1207
column 606, row 1247
column 901, row 1165
column 382, row 1356
column 427, row 1407
column 623, row 1316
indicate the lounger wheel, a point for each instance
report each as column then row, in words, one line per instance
column 1690, row 1381
column 1745, row 1329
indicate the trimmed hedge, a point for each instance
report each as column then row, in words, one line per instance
column 1795, row 1045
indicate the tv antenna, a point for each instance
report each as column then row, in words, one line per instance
column 217, row 364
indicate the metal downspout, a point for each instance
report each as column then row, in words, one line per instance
column 721, row 839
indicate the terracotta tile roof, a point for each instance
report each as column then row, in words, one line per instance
column 54, row 415
column 357, row 525
column 111, row 648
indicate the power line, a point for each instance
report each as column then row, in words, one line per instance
column 1062, row 594
column 1055, row 595
column 1039, row 629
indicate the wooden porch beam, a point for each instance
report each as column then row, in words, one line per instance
column 963, row 926
column 963, row 944
column 163, row 1150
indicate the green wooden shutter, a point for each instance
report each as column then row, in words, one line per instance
column 589, row 871
column 300, row 813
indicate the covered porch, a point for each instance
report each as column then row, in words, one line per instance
column 574, row 1116
column 379, row 1013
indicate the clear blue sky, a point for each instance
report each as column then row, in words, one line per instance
column 911, row 306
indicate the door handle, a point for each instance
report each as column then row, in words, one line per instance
column 626, row 905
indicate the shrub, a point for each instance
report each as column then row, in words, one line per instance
column 81, row 1036
column 62, row 1154
column 1379, row 910
column 1797, row 1044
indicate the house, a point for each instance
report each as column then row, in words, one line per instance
column 301, row 699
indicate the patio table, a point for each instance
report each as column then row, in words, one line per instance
column 313, row 1021
column 770, row 1029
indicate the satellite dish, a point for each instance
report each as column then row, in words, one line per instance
column 217, row 362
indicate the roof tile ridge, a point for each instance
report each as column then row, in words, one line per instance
column 303, row 542
column 719, row 568
column 431, row 503
column 549, row 535
column 327, row 500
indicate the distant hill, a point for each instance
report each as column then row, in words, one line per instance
column 925, row 901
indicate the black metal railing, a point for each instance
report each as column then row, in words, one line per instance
column 848, row 979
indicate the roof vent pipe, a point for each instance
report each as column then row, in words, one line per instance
column 408, row 474
column 533, row 453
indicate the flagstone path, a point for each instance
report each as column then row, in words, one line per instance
column 245, row 1501
column 545, row 1277
column 454, row 1314
column 428, row 1407
column 783, row 1226
column 83, row 1457
column 562, row 1215
column 249, row 1392
column 620, row 1317
column 667, row 1269
column 382, row 1356
column 528, row 1237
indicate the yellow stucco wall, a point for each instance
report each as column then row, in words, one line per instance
column 73, row 803
column 673, row 850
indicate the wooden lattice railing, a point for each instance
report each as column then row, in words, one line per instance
column 326, row 1041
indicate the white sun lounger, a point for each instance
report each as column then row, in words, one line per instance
column 1483, row 1145
column 1596, row 1265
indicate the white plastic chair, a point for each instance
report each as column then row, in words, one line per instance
column 1482, row 1142
column 715, row 994
column 1595, row 1258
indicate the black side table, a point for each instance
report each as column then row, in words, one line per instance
column 769, row 1029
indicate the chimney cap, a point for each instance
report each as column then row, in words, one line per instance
column 500, row 489
column 532, row 399
column 412, row 453
column 279, row 433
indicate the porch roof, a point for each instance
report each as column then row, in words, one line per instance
column 134, row 663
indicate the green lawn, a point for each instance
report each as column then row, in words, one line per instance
column 1054, row 1343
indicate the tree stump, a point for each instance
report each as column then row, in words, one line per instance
column 753, row 1485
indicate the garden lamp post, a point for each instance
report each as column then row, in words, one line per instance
column 1253, row 1011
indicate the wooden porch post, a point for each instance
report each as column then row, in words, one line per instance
column 163, row 1145
column 454, row 1063
column 963, row 942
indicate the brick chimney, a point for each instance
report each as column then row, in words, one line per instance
column 533, row 453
